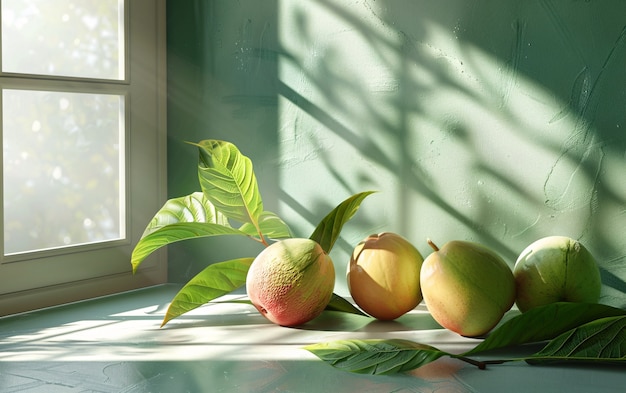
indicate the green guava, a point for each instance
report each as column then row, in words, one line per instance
column 553, row 269
column 467, row 287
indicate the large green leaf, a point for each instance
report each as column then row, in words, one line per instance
column 194, row 211
column 227, row 179
column 176, row 232
column 544, row 323
column 328, row 230
column 191, row 208
column 602, row 340
column 374, row 356
column 214, row 281
column 271, row 226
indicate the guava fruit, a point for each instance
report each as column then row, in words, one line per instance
column 291, row 281
column 467, row 287
column 383, row 276
column 556, row 268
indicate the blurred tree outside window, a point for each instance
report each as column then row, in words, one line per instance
column 66, row 116
column 62, row 151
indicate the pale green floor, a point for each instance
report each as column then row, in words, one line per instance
column 114, row 344
column 24, row 339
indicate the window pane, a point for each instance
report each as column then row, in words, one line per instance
column 64, row 38
column 63, row 169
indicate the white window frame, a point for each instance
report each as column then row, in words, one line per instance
column 47, row 278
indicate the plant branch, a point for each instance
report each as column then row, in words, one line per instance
column 482, row 364
column 262, row 239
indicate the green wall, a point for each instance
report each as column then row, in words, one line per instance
column 496, row 122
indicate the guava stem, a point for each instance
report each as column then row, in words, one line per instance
column 432, row 245
column 481, row 364
column 261, row 239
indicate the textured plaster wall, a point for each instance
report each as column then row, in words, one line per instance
column 496, row 122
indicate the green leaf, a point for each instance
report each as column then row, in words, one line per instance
column 544, row 323
column 179, row 219
column 215, row 280
column 271, row 226
column 602, row 340
column 374, row 356
column 337, row 303
column 329, row 228
column 228, row 181
column 176, row 232
column 191, row 208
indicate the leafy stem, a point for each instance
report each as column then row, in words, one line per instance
column 571, row 332
column 229, row 197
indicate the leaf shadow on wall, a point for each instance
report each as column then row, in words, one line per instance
column 503, row 119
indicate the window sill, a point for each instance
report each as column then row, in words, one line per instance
column 116, row 343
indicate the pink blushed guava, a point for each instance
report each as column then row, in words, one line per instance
column 291, row 281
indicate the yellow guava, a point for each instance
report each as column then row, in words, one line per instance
column 383, row 276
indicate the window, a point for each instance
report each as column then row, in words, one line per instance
column 82, row 109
